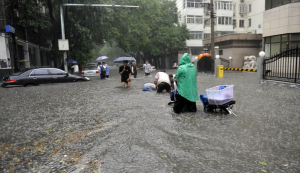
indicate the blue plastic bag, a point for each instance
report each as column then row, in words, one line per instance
column 204, row 100
column 222, row 87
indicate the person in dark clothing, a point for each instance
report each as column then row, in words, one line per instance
column 133, row 69
column 125, row 73
column 102, row 70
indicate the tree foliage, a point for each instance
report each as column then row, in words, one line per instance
column 152, row 29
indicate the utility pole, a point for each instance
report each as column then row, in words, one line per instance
column 212, row 30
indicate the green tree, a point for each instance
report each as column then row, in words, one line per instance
column 150, row 31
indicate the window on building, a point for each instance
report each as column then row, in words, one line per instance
column 279, row 43
column 224, row 5
column 249, row 8
column 194, row 3
column 269, row 4
column 190, row 19
column 249, row 21
column 243, row 9
column 207, row 21
column 206, row 36
column 196, row 34
column 241, row 24
column 220, row 52
column 194, row 19
column 199, row 19
column 234, row 23
column 224, row 20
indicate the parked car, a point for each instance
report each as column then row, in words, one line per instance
column 40, row 76
column 90, row 71
column 91, row 64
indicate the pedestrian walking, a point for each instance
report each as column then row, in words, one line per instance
column 186, row 77
column 162, row 82
column 125, row 73
column 147, row 68
column 133, row 69
column 75, row 69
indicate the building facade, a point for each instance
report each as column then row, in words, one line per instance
column 281, row 26
column 25, row 48
column 232, row 17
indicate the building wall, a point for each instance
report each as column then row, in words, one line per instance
column 238, row 55
column 281, row 20
column 255, row 14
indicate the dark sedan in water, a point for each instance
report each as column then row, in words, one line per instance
column 41, row 76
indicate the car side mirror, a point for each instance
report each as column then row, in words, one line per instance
column 67, row 74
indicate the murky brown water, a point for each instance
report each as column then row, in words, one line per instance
column 98, row 126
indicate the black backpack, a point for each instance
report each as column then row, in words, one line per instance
column 103, row 70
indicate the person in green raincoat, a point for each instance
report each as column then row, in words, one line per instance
column 186, row 78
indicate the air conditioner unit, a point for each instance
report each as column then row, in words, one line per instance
column 242, row 0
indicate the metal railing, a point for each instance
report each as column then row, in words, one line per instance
column 224, row 62
column 283, row 67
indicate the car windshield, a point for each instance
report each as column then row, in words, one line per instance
column 91, row 68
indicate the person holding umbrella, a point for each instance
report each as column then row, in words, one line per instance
column 125, row 73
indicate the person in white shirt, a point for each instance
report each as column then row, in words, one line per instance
column 175, row 65
column 147, row 68
column 75, row 69
column 162, row 82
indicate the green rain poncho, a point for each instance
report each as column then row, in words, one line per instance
column 187, row 79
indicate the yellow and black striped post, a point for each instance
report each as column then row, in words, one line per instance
column 240, row 69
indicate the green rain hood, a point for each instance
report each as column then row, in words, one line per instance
column 187, row 79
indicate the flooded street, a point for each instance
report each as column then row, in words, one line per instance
column 98, row 126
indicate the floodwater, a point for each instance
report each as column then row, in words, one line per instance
column 98, row 126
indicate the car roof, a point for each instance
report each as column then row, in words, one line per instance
column 47, row 68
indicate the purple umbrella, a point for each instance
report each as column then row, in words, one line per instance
column 101, row 58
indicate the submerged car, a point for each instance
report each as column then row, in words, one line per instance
column 90, row 71
column 40, row 76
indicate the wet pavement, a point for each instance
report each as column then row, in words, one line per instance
column 97, row 126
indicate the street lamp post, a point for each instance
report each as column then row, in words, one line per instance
column 260, row 66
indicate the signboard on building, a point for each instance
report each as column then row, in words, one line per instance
column 63, row 44
column 9, row 28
